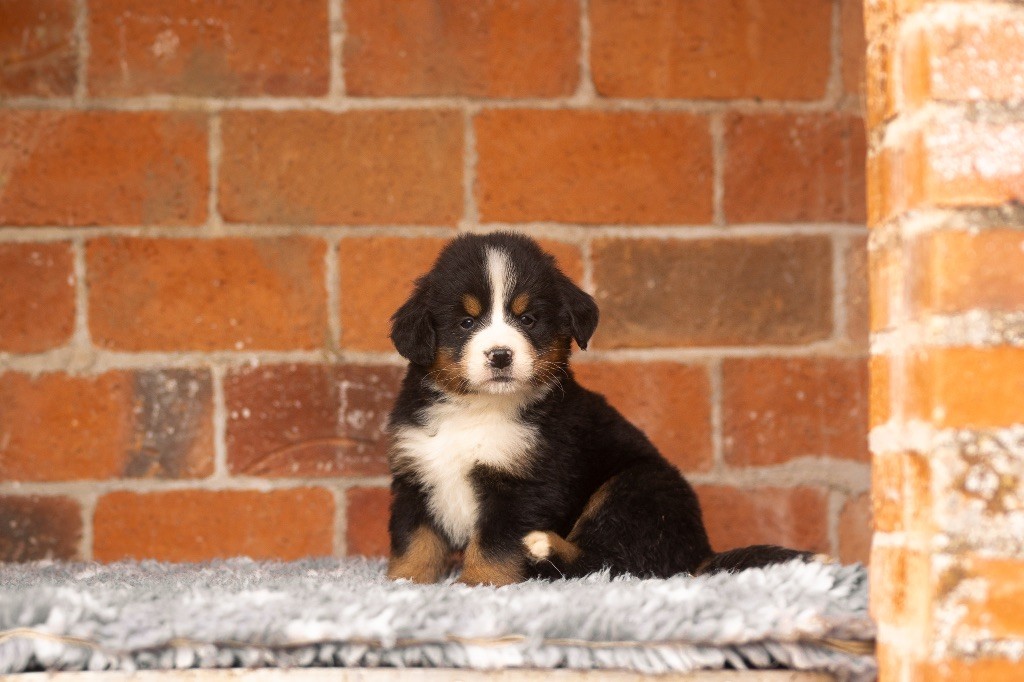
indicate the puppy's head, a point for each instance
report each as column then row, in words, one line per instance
column 494, row 315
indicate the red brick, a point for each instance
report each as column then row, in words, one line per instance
column 220, row 48
column 987, row 669
column 771, row 49
column 855, row 530
column 37, row 296
column 901, row 492
column 901, row 588
column 854, row 46
column 103, row 168
column 568, row 256
column 778, row 409
column 966, row 387
column 713, row 292
column 886, row 283
column 954, row 272
column 794, row 168
column 670, row 402
column 792, row 517
column 197, row 525
column 879, row 84
column 207, row 294
column 857, row 293
column 309, row 420
column 973, row 57
column 593, row 167
column 450, row 47
column 37, row 528
column 151, row 424
column 379, row 167
column 37, row 48
column 368, row 511
column 377, row 275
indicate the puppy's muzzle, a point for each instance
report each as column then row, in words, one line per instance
column 499, row 358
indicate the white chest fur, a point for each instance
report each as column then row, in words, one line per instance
column 455, row 437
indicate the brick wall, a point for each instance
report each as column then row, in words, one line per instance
column 946, row 82
column 210, row 210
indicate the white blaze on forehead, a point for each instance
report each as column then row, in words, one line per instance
column 497, row 332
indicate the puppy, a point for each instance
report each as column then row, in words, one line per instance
column 498, row 453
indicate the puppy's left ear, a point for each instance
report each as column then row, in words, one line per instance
column 581, row 311
column 412, row 330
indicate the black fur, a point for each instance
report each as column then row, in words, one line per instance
column 648, row 522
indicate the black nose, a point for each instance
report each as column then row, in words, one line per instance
column 499, row 358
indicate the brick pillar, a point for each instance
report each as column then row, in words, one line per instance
column 946, row 178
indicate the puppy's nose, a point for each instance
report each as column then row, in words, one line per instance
column 499, row 358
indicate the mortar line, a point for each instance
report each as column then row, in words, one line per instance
column 585, row 90
column 81, row 32
column 332, row 282
column 836, row 502
column 80, row 338
column 87, row 502
column 470, row 212
column 220, row 424
column 340, row 539
column 336, row 24
column 589, row 284
column 840, row 321
column 214, row 149
column 718, row 155
column 716, row 378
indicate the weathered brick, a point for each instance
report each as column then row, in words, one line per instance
column 103, row 168
column 794, row 168
column 670, row 402
column 901, row 587
column 37, row 296
column 990, row 606
column 953, row 272
column 966, row 387
column 207, row 294
column 949, row 162
column 987, row 669
column 879, row 84
column 968, row 55
column 723, row 292
column 197, row 525
column 792, row 517
column 367, row 514
column 37, row 48
column 777, row 409
column 593, row 167
column 854, row 46
column 221, row 48
column 857, row 293
column 451, row 47
column 148, row 424
column 379, row 167
column 855, row 529
column 879, row 396
column 377, row 275
column 309, row 420
column 887, row 491
column 37, row 528
column 886, row 282
column 711, row 49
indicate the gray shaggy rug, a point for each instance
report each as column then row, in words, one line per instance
column 344, row 612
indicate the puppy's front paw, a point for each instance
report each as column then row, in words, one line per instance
column 538, row 545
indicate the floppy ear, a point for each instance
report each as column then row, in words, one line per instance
column 581, row 310
column 412, row 330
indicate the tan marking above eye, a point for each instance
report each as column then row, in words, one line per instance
column 472, row 305
column 519, row 303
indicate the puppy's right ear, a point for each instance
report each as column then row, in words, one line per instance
column 412, row 330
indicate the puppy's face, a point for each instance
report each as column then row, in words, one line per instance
column 494, row 315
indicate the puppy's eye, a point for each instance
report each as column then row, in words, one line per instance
column 467, row 322
column 527, row 320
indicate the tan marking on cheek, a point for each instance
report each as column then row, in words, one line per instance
column 594, row 504
column 479, row 569
column 447, row 373
column 472, row 305
column 425, row 560
column 520, row 303
column 549, row 365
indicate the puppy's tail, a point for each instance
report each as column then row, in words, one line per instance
column 755, row 556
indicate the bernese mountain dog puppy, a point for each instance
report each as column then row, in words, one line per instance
column 501, row 456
